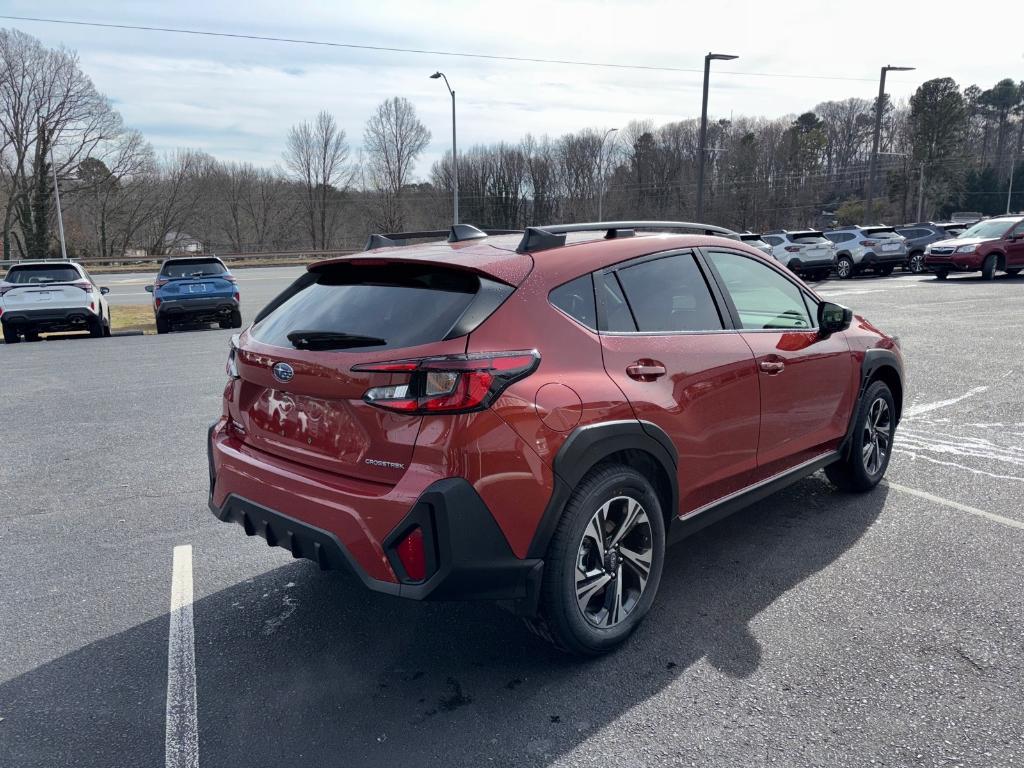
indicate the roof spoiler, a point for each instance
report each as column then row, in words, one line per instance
column 553, row 235
column 458, row 233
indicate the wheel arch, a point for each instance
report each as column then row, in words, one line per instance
column 638, row 444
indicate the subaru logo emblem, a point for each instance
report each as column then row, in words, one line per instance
column 284, row 372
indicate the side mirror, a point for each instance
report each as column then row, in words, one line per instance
column 149, row 289
column 833, row 318
column 104, row 291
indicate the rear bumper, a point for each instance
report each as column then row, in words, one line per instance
column 827, row 262
column 872, row 259
column 197, row 309
column 467, row 555
column 63, row 318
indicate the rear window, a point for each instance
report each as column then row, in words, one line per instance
column 882, row 234
column 204, row 268
column 42, row 273
column 756, row 242
column 404, row 304
column 576, row 299
column 809, row 239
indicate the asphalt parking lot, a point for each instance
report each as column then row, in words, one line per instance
column 815, row 629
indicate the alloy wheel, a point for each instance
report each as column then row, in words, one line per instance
column 613, row 562
column 843, row 268
column 917, row 263
column 877, row 436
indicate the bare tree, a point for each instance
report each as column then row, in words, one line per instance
column 48, row 108
column 317, row 155
column 394, row 139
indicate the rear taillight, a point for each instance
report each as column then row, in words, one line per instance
column 794, row 248
column 157, row 303
column 85, row 285
column 230, row 278
column 231, row 368
column 412, row 553
column 450, row 383
column 238, row 297
column 869, row 243
column 160, row 283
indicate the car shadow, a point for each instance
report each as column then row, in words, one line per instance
column 298, row 666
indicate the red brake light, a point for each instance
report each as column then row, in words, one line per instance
column 238, row 298
column 413, row 555
column 449, row 384
column 229, row 278
column 794, row 248
column 157, row 303
column 870, row 243
column 159, row 283
column 85, row 285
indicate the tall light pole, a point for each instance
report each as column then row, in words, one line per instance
column 455, row 153
column 1009, row 192
column 704, row 128
column 878, row 134
column 600, row 196
column 60, row 215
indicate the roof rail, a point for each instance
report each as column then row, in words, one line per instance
column 459, row 233
column 553, row 235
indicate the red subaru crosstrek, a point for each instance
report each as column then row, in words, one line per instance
column 530, row 418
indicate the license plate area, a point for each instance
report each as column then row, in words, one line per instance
column 198, row 287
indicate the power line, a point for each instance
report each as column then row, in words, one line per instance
column 424, row 51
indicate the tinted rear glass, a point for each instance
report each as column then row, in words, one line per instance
column 809, row 239
column 406, row 305
column 670, row 294
column 42, row 273
column 193, row 268
column 576, row 299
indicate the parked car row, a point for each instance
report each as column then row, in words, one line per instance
column 57, row 296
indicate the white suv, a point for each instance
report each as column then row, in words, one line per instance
column 881, row 249
column 807, row 253
column 44, row 296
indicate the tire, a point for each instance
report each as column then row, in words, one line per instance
column 10, row 335
column 236, row 319
column 1013, row 271
column 96, row 327
column 988, row 269
column 162, row 326
column 844, row 268
column 915, row 263
column 623, row 498
column 871, row 447
column 886, row 270
column 106, row 326
column 941, row 275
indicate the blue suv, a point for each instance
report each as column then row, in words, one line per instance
column 192, row 290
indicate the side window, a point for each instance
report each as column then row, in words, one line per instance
column 669, row 294
column 1018, row 230
column 576, row 299
column 617, row 316
column 764, row 299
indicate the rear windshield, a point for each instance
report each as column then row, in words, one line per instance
column 809, row 239
column 42, row 273
column 883, row 234
column 404, row 304
column 756, row 242
column 202, row 268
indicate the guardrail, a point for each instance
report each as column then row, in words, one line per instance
column 140, row 261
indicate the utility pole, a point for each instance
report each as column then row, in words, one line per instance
column 702, row 151
column 600, row 196
column 60, row 216
column 868, row 204
column 1009, row 192
column 920, row 193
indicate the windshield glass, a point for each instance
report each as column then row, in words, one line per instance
column 990, row 228
column 42, row 273
column 175, row 269
column 810, row 239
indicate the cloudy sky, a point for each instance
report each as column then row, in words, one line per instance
column 236, row 98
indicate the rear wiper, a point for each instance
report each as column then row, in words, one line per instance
column 319, row 340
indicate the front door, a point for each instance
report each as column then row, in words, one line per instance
column 808, row 383
column 666, row 345
column 1015, row 248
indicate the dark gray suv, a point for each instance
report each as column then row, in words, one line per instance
column 920, row 236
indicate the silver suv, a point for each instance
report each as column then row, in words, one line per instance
column 880, row 249
column 807, row 252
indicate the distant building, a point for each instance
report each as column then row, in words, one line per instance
column 181, row 242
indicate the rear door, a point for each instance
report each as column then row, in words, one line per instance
column 1015, row 247
column 668, row 347
column 306, row 404
column 807, row 383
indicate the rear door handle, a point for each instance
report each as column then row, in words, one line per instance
column 772, row 367
column 645, row 370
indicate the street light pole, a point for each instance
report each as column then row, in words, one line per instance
column 704, row 128
column 920, row 194
column 877, row 137
column 455, row 153
column 60, row 215
column 1009, row 192
column 600, row 195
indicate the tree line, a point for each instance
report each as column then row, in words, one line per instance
column 947, row 148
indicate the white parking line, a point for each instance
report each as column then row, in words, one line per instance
column 182, row 736
column 957, row 505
